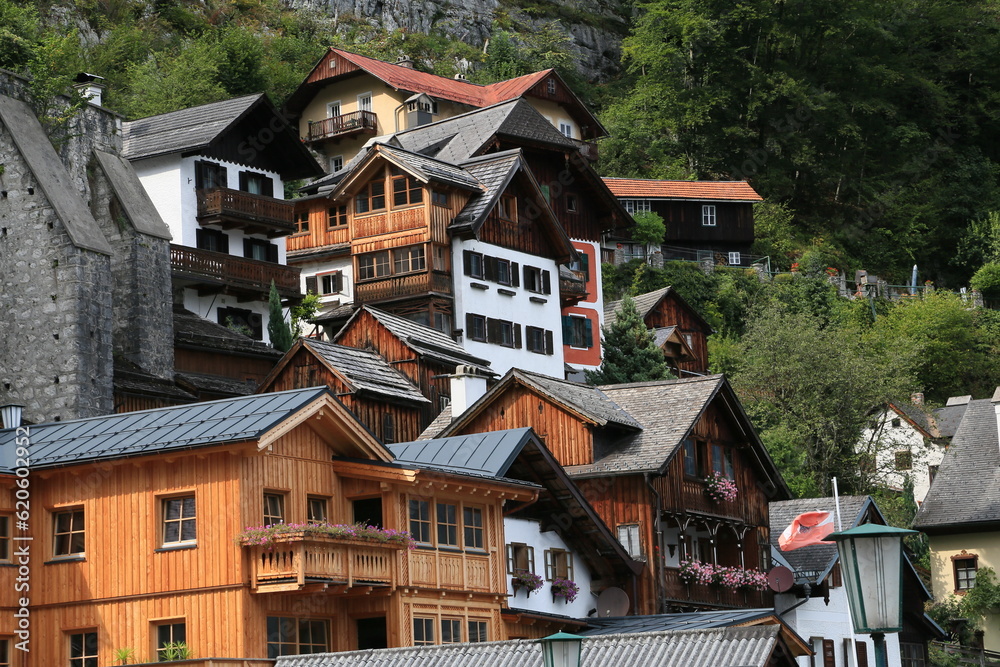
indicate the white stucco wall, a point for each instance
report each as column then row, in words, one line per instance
column 889, row 439
column 528, row 532
column 343, row 264
column 518, row 309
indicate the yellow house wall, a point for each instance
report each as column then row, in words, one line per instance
column 984, row 545
column 554, row 113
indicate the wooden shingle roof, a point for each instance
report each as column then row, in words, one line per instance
column 365, row 371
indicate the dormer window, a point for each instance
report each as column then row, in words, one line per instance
column 551, row 86
column 406, row 190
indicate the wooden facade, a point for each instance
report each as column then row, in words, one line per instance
column 672, row 311
column 128, row 582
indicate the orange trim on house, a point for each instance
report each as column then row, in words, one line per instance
column 590, row 356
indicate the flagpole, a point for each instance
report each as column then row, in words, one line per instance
column 853, row 658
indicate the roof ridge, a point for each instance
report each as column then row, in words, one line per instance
column 196, row 106
column 656, row 383
column 413, row 69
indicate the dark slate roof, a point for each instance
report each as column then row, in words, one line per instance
column 916, row 414
column 215, row 385
column 589, row 400
column 132, row 195
column 51, row 175
column 489, row 454
column 130, row 379
column 428, row 342
column 366, row 371
column 495, row 172
column 431, row 169
column 436, row 427
column 811, row 564
column 184, row 130
column 190, row 330
column 662, row 334
column 644, row 303
column 716, row 647
column 948, row 418
column 972, row 463
column 155, row 431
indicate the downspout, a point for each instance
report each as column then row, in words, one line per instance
column 658, row 551
column 807, row 590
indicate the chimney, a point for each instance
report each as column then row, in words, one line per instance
column 917, row 399
column 404, row 61
column 91, row 87
column 11, row 415
column 467, row 387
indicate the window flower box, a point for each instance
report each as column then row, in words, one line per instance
column 720, row 488
column 565, row 589
column 529, row 581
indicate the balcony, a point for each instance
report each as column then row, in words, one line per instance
column 710, row 596
column 572, row 286
column 213, row 272
column 345, row 125
column 401, row 287
column 297, row 562
column 588, row 149
column 254, row 214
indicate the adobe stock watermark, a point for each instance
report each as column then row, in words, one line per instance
column 21, row 540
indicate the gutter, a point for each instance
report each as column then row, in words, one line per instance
column 658, row 560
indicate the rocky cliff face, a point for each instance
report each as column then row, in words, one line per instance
column 596, row 27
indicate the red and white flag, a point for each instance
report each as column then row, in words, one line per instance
column 806, row 529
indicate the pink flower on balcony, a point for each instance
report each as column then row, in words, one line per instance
column 720, row 488
column 264, row 536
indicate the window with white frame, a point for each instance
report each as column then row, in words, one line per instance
column 708, row 215
column 634, row 206
column 734, row 259
column 558, row 564
column 336, row 163
column 333, row 109
column 628, row 535
column 520, row 558
column 365, row 102
column 566, row 129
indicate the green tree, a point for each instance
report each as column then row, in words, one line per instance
column 277, row 329
column 170, row 81
column 649, row 228
column 630, row 355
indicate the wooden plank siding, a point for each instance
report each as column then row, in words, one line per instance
column 734, row 221
column 670, row 312
column 320, row 233
column 217, row 362
column 563, row 177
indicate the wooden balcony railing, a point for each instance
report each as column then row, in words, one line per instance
column 702, row 595
column 403, row 286
column 463, row 572
column 573, row 289
column 587, row 148
column 296, row 560
column 235, row 208
column 348, row 123
column 237, row 274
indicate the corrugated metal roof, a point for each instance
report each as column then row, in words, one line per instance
column 183, row 130
column 367, row 371
column 698, row 620
column 700, row 190
column 722, row 647
column 486, row 453
column 155, row 431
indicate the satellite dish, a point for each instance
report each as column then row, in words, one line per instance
column 780, row 579
column 612, row 602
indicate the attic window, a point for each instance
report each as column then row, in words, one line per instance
column 406, row 190
column 551, row 86
column 507, row 208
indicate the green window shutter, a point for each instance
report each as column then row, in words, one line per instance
column 588, row 332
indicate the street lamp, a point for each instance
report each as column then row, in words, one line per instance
column 562, row 650
column 10, row 414
column 871, row 557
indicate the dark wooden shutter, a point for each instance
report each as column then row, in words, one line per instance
column 493, row 330
column 527, row 272
column 585, row 264
column 517, row 335
column 862, row 650
column 248, row 248
column 567, row 323
column 549, row 348
column 267, row 187
column 257, row 326
column 312, row 284
column 829, row 657
column 546, row 283
column 338, row 282
column 489, row 268
column 515, row 276
column 272, row 253
column 588, row 333
column 199, row 175
column 243, row 181
column 468, row 326
column 467, row 262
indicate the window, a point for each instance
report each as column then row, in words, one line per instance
column 896, row 422
column 734, row 259
column 539, row 341
column 336, row 163
column 911, row 655
column 447, row 525
column 274, row 508
column 904, row 460
column 330, row 283
column 83, row 649
column 336, row 216
column 550, row 86
column 477, row 632
column 440, row 258
column 409, row 259
column 932, row 471
column 708, row 215
column 502, row 332
column 301, row 222
column 423, row 631
column 370, row 198
column 179, row 522
column 420, row 521
column 473, row 519
column 558, row 564
column 5, row 653
column 365, row 102
column 628, row 535
column 68, row 533
column 476, row 327
column 242, row 321
column 373, row 265
column 582, row 264
column 388, row 428
column 316, row 510
column 692, row 466
column 503, row 272
column 257, row 184
column 473, row 264
column 260, row 250
column 566, row 129
column 632, row 251
column 209, row 175
column 578, row 332
column 333, row 109
column 571, row 203
column 296, row 636
column 212, row 239
column 536, row 280
column 965, row 566
column 507, row 208
column 520, row 558
column 168, row 636
column 406, row 190
column 722, row 461
column 451, row 631
column 5, row 542
column 634, row 206
column 439, row 198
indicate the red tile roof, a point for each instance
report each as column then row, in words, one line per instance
column 702, row 190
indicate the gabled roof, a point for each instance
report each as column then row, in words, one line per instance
column 192, row 331
column 757, row 646
column 950, row 416
column 51, row 175
column 488, row 454
column 972, row 462
column 647, row 188
column 646, row 302
column 917, row 416
column 162, row 430
column 423, row 340
column 429, row 169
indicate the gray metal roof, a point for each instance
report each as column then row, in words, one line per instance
column 966, row 491
column 698, row 620
column 184, row 130
column 367, row 371
column 719, row 647
column 485, row 453
column 132, row 195
column 51, row 175
column 155, row 431
column 812, row 563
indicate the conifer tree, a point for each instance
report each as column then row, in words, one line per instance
column 277, row 328
column 630, row 355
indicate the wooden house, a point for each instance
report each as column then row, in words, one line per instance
column 381, row 397
column 643, row 454
column 135, row 526
column 704, row 219
column 678, row 329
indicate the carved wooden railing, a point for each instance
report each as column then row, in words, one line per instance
column 237, row 272
column 358, row 121
column 458, row 571
column 213, row 205
column 294, row 559
column 411, row 285
column 711, row 595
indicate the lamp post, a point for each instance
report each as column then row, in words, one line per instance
column 10, row 414
column 562, row 650
column 871, row 557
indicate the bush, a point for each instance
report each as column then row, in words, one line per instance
column 987, row 279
